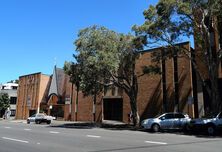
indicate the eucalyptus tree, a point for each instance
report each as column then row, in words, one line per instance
column 108, row 58
column 170, row 21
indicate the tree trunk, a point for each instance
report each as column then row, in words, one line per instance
column 133, row 101
column 214, row 94
column 94, row 108
column 212, row 63
column 77, row 100
column 135, row 115
column 71, row 99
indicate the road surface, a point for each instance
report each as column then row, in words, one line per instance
column 21, row 137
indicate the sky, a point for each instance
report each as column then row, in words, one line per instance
column 37, row 34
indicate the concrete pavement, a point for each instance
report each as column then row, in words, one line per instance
column 21, row 137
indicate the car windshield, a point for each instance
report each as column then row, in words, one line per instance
column 40, row 115
column 210, row 115
column 157, row 116
column 33, row 115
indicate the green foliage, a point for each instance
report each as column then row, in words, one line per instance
column 166, row 23
column 98, row 52
column 4, row 101
column 99, row 46
column 74, row 71
column 170, row 21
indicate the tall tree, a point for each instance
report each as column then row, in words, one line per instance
column 170, row 21
column 73, row 70
column 107, row 57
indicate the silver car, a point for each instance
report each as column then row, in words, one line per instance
column 167, row 121
column 39, row 118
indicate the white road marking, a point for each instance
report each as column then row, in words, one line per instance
column 53, row 132
column 155, row 142
column 93, row 136
column 26, row 129
column 38, row 143
column 12, row 139
column 7, row 127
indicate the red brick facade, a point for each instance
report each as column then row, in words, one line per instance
column 31, row 92
column 114, row 104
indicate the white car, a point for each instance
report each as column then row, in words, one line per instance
column 167, row 121
column 39, row 118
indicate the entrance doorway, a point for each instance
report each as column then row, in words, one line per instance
column 113, row 109
column 32, row 112
column 57, row 111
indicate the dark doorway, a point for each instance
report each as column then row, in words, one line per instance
column 113, row 109
column 57, row 111
column 32, row 112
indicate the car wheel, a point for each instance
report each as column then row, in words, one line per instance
column 48, row 122
column 37, row 121
column 28, row 122
column 210, row 129
column 155, row 128
column 186, row 128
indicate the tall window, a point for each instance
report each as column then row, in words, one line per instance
column 220, row 30
column 13, row 100
column 14, row 87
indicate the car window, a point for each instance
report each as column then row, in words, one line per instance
column 168, row 116
column 39, row 115
column 33, row 115
column 178, row 115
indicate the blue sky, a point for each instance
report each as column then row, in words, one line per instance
column 35, row 32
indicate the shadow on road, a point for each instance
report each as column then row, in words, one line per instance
column 74, row 125
column 119, row 127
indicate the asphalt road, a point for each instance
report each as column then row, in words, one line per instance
column 21, row 137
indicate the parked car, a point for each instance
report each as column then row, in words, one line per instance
column 167, row 121
column 40, row 118
column 210, row 124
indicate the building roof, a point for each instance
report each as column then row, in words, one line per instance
column 58, row 82
column 157, row 48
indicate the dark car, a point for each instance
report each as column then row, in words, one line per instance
column 209, row 124
column 167, row 121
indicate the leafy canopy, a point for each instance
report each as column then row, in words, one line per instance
column 4, row 101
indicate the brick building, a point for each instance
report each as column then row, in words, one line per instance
column 152, row 95
column 31, row 92
column 58, row 94
column 55, row 95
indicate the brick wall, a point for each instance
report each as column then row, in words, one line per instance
column 31, row 92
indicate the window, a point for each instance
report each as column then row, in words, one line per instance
column 14, row 87
column 220, row 30
column 13, row 100
column 178, row 115
column 12, row 112
column 168, row 116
